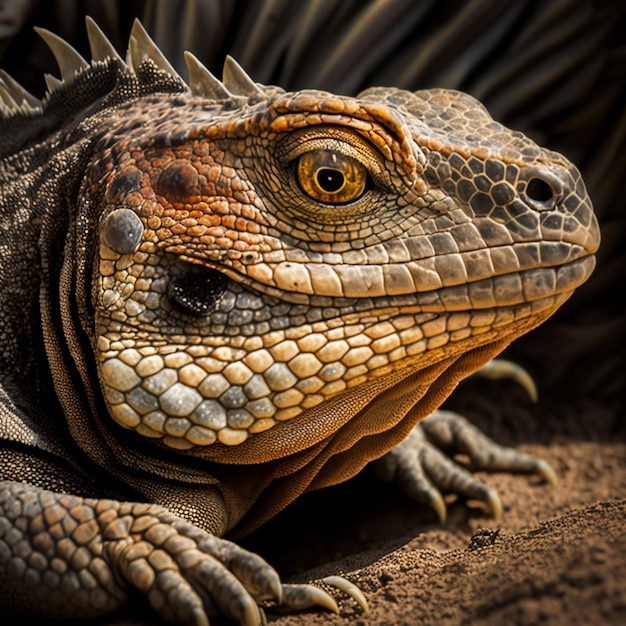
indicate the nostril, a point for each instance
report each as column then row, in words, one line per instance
column 540, row 191
column 542, row 187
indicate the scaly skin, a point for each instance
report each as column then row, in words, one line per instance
column 237, row 294
column 86, row 553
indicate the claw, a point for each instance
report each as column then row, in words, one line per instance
column 438, row 504
column 262, row 581
column 349, row 589
column 276, row 588
column 199, row 618
column 300, row 597
column 494, row 504
column 450, row 430
column 249, row 613
column 547, row 473
column 497, row 369
column 321, row 598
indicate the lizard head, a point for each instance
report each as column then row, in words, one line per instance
column 268, row 263
column 262, row 253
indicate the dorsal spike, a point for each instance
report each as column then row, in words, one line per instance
column 52, row 82
column 69, row 61
column 141, row 47
column 202, row 82
column 6, row 98
column 101, row 48
column 238, row 82
column 19, row 94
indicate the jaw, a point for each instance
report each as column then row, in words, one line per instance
column 216, row 393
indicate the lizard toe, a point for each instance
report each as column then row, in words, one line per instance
column 449, row 430
column 223, row 594
column 424, row 473
column 259, row 578
column 446, row 476
column 187, row 574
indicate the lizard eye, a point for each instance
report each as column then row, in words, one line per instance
column 331, row 177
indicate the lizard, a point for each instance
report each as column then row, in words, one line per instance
column 218, row 295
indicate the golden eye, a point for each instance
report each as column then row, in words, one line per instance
column 331, row 177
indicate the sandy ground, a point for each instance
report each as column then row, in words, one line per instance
column 558, row 555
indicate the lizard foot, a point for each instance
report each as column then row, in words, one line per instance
column 424, row 472
column 189, row 575
column 92, row 555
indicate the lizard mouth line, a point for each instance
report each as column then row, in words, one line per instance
column 201, row 285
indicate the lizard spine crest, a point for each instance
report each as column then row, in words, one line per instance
column 236, row 86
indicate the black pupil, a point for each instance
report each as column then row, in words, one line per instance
column 329, row 180
column 539, row 190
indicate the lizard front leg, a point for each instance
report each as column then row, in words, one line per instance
column 64, row 556
column 80, row 557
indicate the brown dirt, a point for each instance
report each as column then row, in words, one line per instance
column 557, row 556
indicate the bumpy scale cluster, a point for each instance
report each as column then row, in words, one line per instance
column 196, row 395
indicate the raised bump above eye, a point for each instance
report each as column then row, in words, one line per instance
column 331, row 177
column 122, row 231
